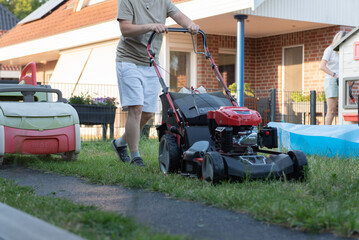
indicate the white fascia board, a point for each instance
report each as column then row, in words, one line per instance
column 79, row 37
column 318, row 11
column 199, row 9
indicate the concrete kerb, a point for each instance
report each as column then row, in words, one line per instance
column 17, row 225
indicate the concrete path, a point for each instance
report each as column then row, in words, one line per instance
column 156, row 210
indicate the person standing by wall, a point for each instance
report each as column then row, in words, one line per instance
column 137, row 80
column 330, row 65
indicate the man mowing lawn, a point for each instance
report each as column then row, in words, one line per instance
column 137, row 80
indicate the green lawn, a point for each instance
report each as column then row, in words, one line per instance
column 327, row 202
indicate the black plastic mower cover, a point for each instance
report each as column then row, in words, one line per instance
column 193, row 107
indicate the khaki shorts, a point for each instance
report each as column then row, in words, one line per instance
column 330, row 87
column 138, row 85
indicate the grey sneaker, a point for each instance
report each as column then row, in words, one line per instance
column 121, row 152
column 138, row 161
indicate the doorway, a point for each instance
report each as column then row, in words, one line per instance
column 180, row 75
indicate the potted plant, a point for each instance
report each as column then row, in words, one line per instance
column 248, row 91
column 94, row 111
column 301, row 102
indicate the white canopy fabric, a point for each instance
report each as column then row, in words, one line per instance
column 87, row 71
column 69, row 67
column 101, row 66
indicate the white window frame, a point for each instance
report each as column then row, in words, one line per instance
column 181, row 43
column 229, row 51
column 283, row 50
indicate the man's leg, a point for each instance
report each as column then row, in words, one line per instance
column 131, row 93
column 145, row 118
column 132, row 127
column 132, row 132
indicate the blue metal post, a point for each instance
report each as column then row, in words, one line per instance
column 240, row 59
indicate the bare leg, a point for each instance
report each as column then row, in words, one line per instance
column 132, row 127
column 332, row 110
column 145, row 117
column 136, row 120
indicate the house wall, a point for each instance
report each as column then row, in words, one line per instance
column 263, row 59
column 42, row 69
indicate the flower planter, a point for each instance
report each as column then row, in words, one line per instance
column 304, row 107
column 95, row 114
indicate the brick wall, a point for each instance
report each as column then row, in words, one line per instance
column 263, row 57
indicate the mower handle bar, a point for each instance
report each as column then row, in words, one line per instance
column 31, row 66
column 184, row 30
column 29, row 91
column 206, row 53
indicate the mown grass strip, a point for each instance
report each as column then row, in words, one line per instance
column 327, row 202
column 85, row 221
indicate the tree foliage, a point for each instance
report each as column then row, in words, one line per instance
column 22, row 8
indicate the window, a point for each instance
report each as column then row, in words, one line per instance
column 351, row 92
column 179, row 70
column 293, row 68
column 227, row 68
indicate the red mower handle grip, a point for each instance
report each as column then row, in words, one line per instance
column 30, row 79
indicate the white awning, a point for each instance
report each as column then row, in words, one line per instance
column 89, row 70
column 101, row 66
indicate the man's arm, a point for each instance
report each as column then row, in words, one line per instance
column 185, row 22
column 130, row 30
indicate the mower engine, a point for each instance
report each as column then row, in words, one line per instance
column 234, row 131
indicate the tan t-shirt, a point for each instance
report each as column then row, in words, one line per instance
column 133, row 49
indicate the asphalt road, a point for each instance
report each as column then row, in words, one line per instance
column 156, row 210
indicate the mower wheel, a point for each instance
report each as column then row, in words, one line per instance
column 69, row 156
column 299, row 164
column 169, row 154
column 213, row 167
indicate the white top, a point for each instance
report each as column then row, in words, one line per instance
column 332, row 58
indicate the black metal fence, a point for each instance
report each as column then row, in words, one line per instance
column 302, row 107
column 273, row 105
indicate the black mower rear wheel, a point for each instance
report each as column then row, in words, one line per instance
column 300, row 164
column 169, row 154
column 213, row 167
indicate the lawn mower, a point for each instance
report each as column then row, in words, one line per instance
column 208, row 136
column 32, row 123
